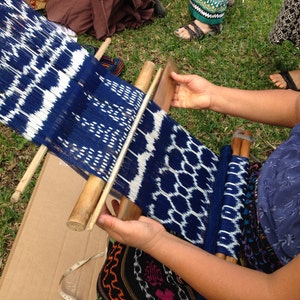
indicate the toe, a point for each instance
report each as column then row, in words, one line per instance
column 182, row 33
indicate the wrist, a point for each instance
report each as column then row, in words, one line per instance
column 157, row 243
column 215, row 97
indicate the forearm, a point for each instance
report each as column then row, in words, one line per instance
column 275, row 107
column 211, row 276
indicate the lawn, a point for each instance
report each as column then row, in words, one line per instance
column 241, row 56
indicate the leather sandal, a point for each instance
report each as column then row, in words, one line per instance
column 195, row 32
column 290, row 84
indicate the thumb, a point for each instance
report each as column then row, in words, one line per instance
column 181, row 78
column 108, row 222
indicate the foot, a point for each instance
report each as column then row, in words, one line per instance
column 195, row 29
column 287, row 80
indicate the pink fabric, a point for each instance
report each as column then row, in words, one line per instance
column 101, row 18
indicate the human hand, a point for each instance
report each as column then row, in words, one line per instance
column 143, row 233
column 192, row 91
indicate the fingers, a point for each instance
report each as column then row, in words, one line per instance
column 183, row 78
column 180, row 78
column 114, row 227
column 115, row 205
column 107, row 222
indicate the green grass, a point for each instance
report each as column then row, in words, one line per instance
column 241, row 56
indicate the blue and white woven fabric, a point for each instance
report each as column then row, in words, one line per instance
column 170, row 175
column 231, row 215
column 54, row 93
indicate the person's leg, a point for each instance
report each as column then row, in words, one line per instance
column 208, row 16
column 287, row 80
column 195, row 29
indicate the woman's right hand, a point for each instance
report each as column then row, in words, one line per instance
column 143, row 233
column 192, row 91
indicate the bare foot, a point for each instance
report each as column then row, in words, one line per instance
column 287, row 80
column 185, row 34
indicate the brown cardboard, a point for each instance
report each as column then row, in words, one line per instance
column 45, row 248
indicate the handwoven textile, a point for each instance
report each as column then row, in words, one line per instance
column 54, row 93
column 231, row 216
column 129, row 273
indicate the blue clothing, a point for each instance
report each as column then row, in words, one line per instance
column 279, row 198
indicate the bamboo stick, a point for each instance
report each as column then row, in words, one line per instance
column 24, row 182
column 245, row 148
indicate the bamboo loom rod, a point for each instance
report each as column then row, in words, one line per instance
column 94, row 186
column 30, row 171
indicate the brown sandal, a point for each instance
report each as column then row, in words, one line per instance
column 196, row 32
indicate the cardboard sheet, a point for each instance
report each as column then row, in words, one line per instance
column 45, row 248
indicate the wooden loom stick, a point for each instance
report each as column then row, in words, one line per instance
column 98, row 55
column 22, row 185
column 25, row 180
column 122, row 154
column 94, row 186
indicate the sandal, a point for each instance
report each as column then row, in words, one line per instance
column 197, row 33
column 290, row 84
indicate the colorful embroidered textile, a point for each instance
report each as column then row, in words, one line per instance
column 208, row 11
column 54, row 93
column 129, row 273
column 278, row 198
